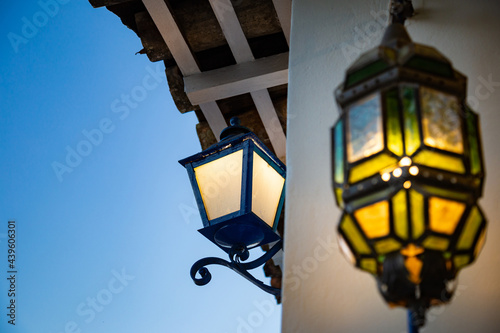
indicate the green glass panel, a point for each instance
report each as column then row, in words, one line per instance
column 366, row 72
column 436, row 243
column 441, row 120
column 365, row 135
column 470, row 230
column 394, row 138
column 339, row 151
column 370, row 167
column 412, row 135
column 387, row 246
column 399, row 211
column 438, row 160
column 474, row 149
column 417, row 213
column 353, row 235
column 461, row 261
column 367, row 199
column 369, row 265
column 441, row 192
column 430, row 66
column 480, row 243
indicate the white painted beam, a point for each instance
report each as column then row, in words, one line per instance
column 165, row 22
column 284, row 12
column 269, row 118
column 237, row 79
column 238, row 44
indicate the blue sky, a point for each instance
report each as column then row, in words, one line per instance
column 105, row 219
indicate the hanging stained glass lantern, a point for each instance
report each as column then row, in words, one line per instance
column 408, row 171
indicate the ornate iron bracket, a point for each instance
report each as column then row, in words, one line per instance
column 236, row 256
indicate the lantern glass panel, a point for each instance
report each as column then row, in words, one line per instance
column 387, row 245
column 394, row 139
column 219, row 182
column 444, row 214
column 369, row 265
column 474, row 150
column 441, row 123
column 267, row 187
column 411, row 131
column 461, row 260
column 400, row 214
column 417, row 213
column 354, row 235
column 374, row 219
column 339, row 151
column 440, row 161
column 436, row 243
column 370, row 167
column 365, row 133
column 480, row 243
column 470, row 230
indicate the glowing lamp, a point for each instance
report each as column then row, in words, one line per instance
column 239, row 187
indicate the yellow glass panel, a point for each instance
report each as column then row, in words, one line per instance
column 369, row 265
column 417, row 213
column 374, row 219
column 219, row 182
column 338, row 196
column 364, row 129
column 441, row 124
column 461, row 261
column 370, row 167
column 470, row 230
column 267, row 186
column 354, row 236
column 480, row 243
column 444, row 214
column 399, row 211
column 387, row 245
column 436, row 243
column 439, row 161
column 414, row 267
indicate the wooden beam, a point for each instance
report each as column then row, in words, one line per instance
column 284, row 12
column 165, row 22
column 102, row 3
column 238, row 43
column 237, row 79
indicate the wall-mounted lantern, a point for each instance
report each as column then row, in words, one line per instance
column 239, row 186
column 408, row 171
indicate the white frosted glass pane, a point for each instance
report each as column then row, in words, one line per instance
column 219, row 182
column 441, row 120
column 266, row 189
column 364, row 136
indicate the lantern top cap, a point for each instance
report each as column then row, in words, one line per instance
column 395, row 35
column 235, row 128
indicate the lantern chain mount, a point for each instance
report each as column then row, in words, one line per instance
column 400, row 10
column 237, row 256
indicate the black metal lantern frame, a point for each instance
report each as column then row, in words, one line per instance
column 236, row 212
column 408, row 170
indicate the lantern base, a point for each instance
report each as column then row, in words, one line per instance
column 244, row 231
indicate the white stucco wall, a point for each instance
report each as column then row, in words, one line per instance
column 322, row 292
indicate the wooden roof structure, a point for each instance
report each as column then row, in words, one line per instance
column 223, row 58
